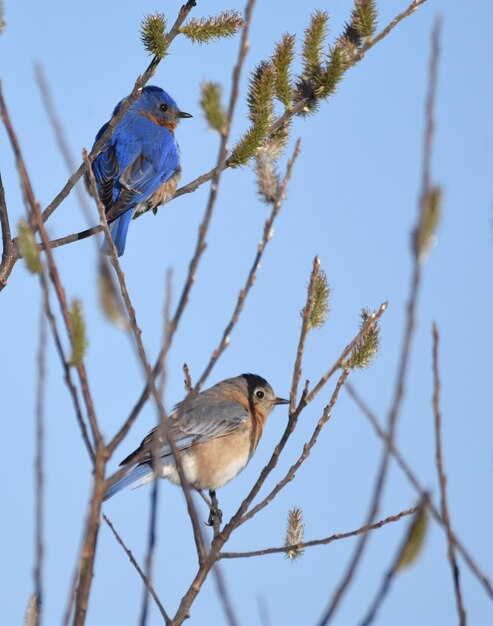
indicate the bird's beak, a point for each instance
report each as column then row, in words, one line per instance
column 281, row 401
column 182, row 114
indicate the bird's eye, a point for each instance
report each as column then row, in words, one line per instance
column 163, row 107
column 259, row 394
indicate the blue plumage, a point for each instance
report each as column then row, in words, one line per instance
column 139, row 168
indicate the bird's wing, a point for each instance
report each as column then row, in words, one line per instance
column 199, row 422
column 143, row 175
column 106, row 170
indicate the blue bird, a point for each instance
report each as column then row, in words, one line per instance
column 216, row 432
column 139, row 168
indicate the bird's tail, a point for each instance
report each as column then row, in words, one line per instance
column 118, row 230
column 137, row 476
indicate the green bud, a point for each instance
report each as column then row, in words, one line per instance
column 210, row 101
column 367, row 348
column 295, row 532
column 29, row 248
column 414, row 541
column 79, row 340
column 152, row 34
column 204, row 30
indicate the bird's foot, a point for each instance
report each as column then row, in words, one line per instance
column 215, row 514
column 215, row 517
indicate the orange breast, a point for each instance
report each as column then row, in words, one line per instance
column 218, row 461
column 169, row 125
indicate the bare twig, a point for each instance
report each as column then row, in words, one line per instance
column 368, row 325
column 36, row 219
column 252, row 274
column 8, row 248
column 389, row 576
column 223, row 594
column 166, row 322
column 306, row 451
column 136, row 332
column 144, row 578
column 443, row 481
column 92, row 525
column 303, row 334
column 60, row 135
column 152, row 537
column 399, row 390
column 39, row 462
column 71, row 597
column 319, row 542
column 88, row 551
column 34, row 210
column 411, row 476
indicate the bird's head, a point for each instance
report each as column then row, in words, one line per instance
column 259, row 393
column 158, row 106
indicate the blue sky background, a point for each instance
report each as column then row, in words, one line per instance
column 352, row 201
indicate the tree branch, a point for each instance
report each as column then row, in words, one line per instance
column 9, row 252
column 319, row 542
column 144, row 578
column 443, row 481
column 412, row 478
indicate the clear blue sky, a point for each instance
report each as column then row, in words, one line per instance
column 352, row 201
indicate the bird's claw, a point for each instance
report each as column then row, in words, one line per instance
column 215, row 514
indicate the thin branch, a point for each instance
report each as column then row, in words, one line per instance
column 223, row 594
column 303, row 334
column 84, row 234
column 91, row 528
column 9, row 252
column 368, row 325
column 252, row 274
column 88, row 551
column 166, row 322
column 34, row 211
column 411, row 476
column 191, row 594
column 71, row 598
column 216, row 174
column 389, row 576
column 319, row 542
column 59, row 132
column 306, row 451
column 152, row 536
column 144, row 578
column 137, row 334
column 67, row 370
column 399, row 389
column 39, row 462
column 443, row 482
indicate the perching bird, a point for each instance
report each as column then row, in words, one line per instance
column 217, row 431
column 139, row 168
